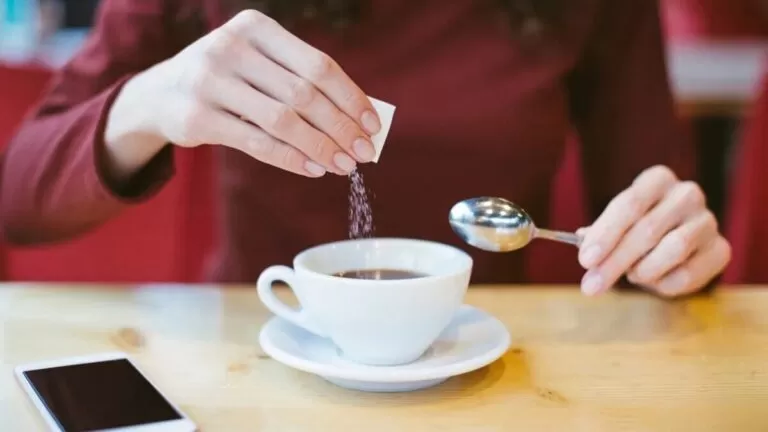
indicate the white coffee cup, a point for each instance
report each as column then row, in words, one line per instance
column 374, row 322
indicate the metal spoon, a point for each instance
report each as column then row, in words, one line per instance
column 497, row 225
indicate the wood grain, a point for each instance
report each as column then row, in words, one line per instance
column 621, row 362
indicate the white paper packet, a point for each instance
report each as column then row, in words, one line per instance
column 386, row 112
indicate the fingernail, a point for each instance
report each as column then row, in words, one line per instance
column 371, row 122
column 314, row 169
column 344, row 162
column 590, row 256
column 592, row 284
column 364, row 150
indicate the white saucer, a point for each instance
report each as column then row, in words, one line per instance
column 474, row 339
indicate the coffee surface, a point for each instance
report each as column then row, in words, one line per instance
column 379, row 274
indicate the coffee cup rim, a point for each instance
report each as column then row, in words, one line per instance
column 298, row 261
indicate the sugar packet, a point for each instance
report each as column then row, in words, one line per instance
column 386, row 112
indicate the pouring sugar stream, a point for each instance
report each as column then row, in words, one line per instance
column 360, row 213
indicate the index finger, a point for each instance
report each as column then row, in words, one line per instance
column 224, row 129
column 309, row 63
column 622, row 213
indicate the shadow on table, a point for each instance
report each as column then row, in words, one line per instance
column 461, row 387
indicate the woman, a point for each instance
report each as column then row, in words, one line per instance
column 486, row 95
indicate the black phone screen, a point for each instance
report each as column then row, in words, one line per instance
column 101, row 395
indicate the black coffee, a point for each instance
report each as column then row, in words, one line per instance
column 379, row 274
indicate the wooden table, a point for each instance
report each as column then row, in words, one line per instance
column 622, row 362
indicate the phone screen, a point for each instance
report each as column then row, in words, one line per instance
column 101, row 395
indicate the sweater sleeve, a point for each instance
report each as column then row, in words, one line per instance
column 622, row 105
column 53, row 186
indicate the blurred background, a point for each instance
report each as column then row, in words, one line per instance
column 716, row 60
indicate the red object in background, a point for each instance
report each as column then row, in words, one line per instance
column 714, row 19
column 747, row 222
column 163, row 240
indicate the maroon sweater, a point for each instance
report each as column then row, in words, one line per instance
column 477, row 114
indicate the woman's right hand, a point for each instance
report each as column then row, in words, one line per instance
column 253, row 86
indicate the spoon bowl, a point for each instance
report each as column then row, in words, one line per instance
column 497, row 225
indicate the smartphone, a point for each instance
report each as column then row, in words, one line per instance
column 103, row 392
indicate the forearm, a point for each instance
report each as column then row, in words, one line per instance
column 90, row 149
column 130, row 138
column 54, row 185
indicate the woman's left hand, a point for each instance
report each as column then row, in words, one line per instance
column 659, row 233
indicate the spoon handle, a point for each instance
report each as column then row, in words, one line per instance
column 559, row 236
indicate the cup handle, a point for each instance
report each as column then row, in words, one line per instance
column 267, row 296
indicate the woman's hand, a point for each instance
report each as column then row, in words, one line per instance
column 252, row 86
column 659, row 233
